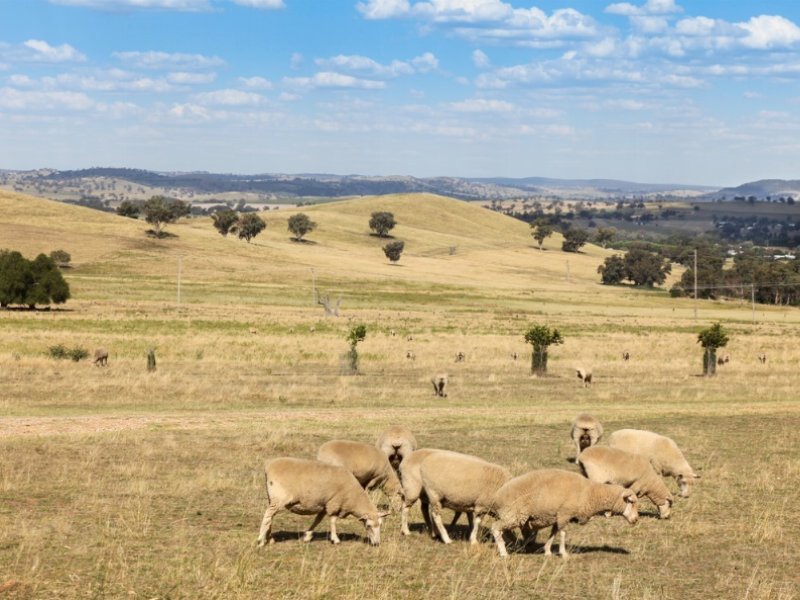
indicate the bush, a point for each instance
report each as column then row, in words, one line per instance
column 30, row 282
column 710, row 339
column 61, row 352
column 541, row 337
column 300, row 225
column 382, row 222
column 393, row 250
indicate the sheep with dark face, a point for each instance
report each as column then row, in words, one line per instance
column 626, row 356
column 762, row 358
column 585, row 376
column 460, row 356
column 586, row 431
column 101, row 357
column 439, row 382
column 397, row 443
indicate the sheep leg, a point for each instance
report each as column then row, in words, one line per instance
column 309, row 534
column 425, row 507
column 497, row 533
column 562, row 548
column 549, row 542
column 334, row 538
column 266, row 526
column 528, row 535
column 473, row 536
column 404, row 520
column 436, row 516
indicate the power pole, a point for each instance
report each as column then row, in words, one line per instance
column 695, row 284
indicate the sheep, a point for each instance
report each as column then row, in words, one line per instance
column 369, row 465
column 463, row 483
column 585, row 376
column 392, row 332
column 310, row 487
column 101, row 357
column 411, row 478
column 397, row 443
column 514, row 356
column 439, row 382
column 410, row 355
column 551, row 497
column 460, row 356
column 663, row 453
column 253, row 330
column 626, row 356
column 762, row 358
column 409, row 338
column 586, row 431
column 725, row 358
column 611, row 465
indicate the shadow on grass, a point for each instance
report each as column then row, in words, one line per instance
column 319, row 536
column 535, row 548
column 386, row 236
column 302, row 241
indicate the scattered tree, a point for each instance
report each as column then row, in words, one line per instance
column 605, row 235
column 645, row 268
column 574, row 239
column 382, row 222
column 300, row 225
column 159, row 211
column 710, row 339
column 225, row 221
column 249, row 226
column 393, row 250
column 128, row 209
column 541, row 337
column 542, row 229
column 29, row 282
column 356, row 335
column 612, row 271
column 62, row 258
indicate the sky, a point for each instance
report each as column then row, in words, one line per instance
column 659, row 91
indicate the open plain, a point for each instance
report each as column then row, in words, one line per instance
column 116, row 482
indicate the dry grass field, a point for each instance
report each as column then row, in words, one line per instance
column 119, row 483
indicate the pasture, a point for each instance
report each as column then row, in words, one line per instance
column 116, row 482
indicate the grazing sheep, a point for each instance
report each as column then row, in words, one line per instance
column 410, row 355
column 762, row 358
column 310, row 487
column 586, row 431
column 397, row 443
column 253, row 330
column 439, row 382
column 409, row 338
column 626, row 356
column 312, row 329
column 101, row 357
column 460, row 356
column 612, row 465
column 726, row 358
column 664, row 454
column 551, row 497
column 411, row 478
column 368, row 464
column 585, row 376
column 392, row 332
column 462, row 483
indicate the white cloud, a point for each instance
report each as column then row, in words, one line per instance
column 769, row 31
column 481, row 105
column 327, row 79
column 166, row 60
column 181, row 5
column 480, row 59
column 21, row 81
column 365, row 65
column 12, row 99
column 383, row 9
column 651, row 7
column 296, row 61
column 256, row 83
column 650, row 24
column 44, row 52
column 184, row 78
column 190, row 112
column 425, row 62
column 267, row 4
column 230, row 97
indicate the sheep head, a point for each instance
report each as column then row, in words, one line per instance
column 372, row 523
column 685, row 482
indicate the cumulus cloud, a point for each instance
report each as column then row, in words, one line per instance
column 769, row 31
column 383, row 9
column 365, row 65
column 167, row 60
column 651, row 7
column 480, row 59
column 481, row 105
column 328, row 79
column 185, row 78
column 12, row 99
column 181, row 5
column 267, row 4
column 44, row 52
column 229, row 97
column 256, row 83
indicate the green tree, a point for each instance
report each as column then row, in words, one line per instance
column 61, row 257
column 542, row 229
column 128, row 209
column 31, row 282
column 357, row 334
column 541, row 338
column 574, row 239
column 225, row 221
column 605, row 235
column 382, row 222
column 249, row 226
column 645, row 268
column 300, row 224
column 15, row 278
column 159, row 211
column 710, row 339
column 393, row 250
column 612, row 271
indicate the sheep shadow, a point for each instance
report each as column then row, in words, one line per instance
column 303, row 241
column 536, row 548
column 318, row 536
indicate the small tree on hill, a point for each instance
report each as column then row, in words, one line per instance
column 249, row 226
column 710, row 339
column 62, row 258
column 605, row 235
column 645, row 268
column 356, row 335
column 612, row 271
column 159, row 211
column 541, row 337
column 574, row 239
column 129, row 209
column 382, row 222
column 542, row 229
column 393, row 250
column 225, row 221
column 300, row 225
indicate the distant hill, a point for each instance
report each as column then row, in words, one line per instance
column 112, row 185
column 760, row 190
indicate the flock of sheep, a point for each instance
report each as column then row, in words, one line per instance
column 614, row 476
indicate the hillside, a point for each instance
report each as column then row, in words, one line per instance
column 761, row 189
column 450, row 246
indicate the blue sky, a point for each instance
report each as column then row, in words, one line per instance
column 655, row 90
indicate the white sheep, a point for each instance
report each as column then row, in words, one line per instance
column 462, row 483
column 585, row 376
column 612, row 465
column 310, row 487
column 439, row 382
column 397, row 443
column 586, row 431
column 663, row 453
column 368, row 464
column 553, row 498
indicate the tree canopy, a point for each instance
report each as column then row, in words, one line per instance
column 225, row 221
column 249, row 226
column 159, row 211
column 30, row 282
column 300, row 224
column 382, row 222
column 129, row 209
column 393, row 250
column 639, row 265
column 542, row 229
column 574, row 239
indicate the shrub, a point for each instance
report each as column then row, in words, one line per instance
column 541, row 337
column 710, row 339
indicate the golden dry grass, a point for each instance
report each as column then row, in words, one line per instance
column 115, row 482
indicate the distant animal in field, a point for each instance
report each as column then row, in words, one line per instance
column 724, row 359
column 151, row 359
column 409, row 338
column 514, row 356
column 253, row 330
column 101, row 357
column 439, row 382
column 626, row 356
column 585, row 376
column 392, row 332
column 460, row 356
column 762, row 358
column 410, row 355
column 312, row 329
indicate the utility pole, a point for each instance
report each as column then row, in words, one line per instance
column 180, row 268
column 695, row 284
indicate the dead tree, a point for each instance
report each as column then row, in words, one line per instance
column 331, row 309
